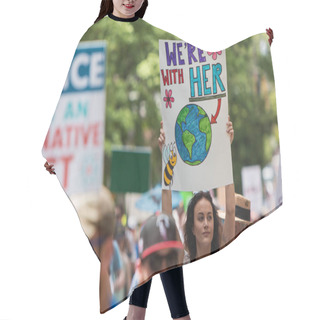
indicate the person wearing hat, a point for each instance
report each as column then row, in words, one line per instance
column 159, row 245
column 160, row 249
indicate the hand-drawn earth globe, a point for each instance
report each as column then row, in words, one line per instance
column 193, row 134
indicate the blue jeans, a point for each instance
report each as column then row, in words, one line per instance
column 172, row 281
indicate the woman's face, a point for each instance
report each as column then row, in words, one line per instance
column 203, row 223
column 126, row 8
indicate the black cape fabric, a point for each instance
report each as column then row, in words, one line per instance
column 103, row 142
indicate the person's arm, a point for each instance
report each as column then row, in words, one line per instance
column 166, row 194
column 229, row 222
column 167, row 201
column 105, row 287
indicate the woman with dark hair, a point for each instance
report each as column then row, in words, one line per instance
column 211, row 228
column 122, row 9
column 204, row 234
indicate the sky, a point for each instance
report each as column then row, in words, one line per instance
column 47, row 267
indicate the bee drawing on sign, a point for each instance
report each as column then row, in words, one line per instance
column 169, row 156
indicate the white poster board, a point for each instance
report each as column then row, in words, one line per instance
column 75, row 141
column 194, row 97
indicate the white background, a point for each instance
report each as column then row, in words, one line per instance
column 47, row 267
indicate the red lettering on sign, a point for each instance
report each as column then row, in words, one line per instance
column 57, row 139
column 66, row 160
column 170, row 77
column 73, row 136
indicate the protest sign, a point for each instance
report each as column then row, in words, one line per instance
column 252, row 186
column 194, row 94
column 75, row 140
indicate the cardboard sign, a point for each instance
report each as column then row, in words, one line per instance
column 194, row 94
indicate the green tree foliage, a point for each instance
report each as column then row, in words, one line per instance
column 252, row 107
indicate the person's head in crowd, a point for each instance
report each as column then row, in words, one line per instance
column 160, row 247
column 202, row 227
column 96, row 212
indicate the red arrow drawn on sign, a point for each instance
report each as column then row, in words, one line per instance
column 214, row 118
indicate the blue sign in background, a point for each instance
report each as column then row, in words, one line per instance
column 88, row 68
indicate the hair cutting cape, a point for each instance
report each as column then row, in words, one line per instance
column 124, row 79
